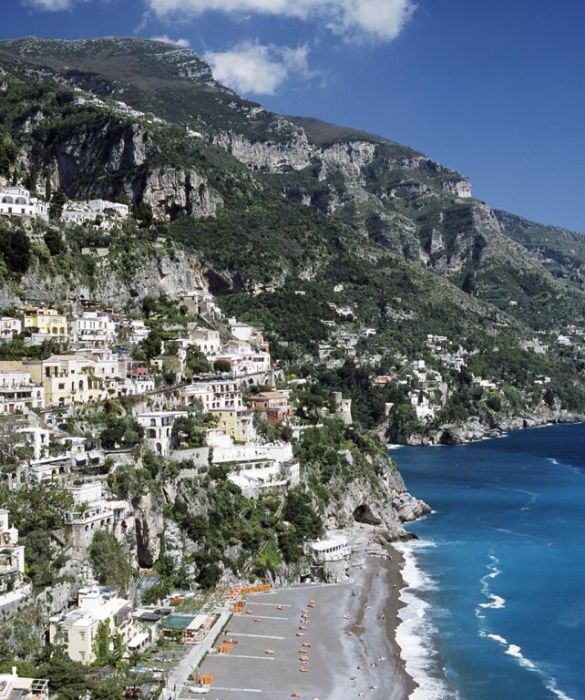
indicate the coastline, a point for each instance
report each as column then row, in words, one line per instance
column 370, row 636
column 351, row 628
column 475, row 431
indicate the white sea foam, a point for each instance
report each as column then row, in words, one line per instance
column 416, row 632
column 515, row 651
column 496, row 602
column 498, row 638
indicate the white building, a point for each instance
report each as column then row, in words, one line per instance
column 95, row 211
column 93, row 513
column 12, row 587
column 11, row 553
column 137, row 332
column 18, row 392
column 424, row 409
column 213, row 395
column 17, row 201
column 93, row 328
column 13, row 687
column 9, row 327
column 335, row 547
column 208, row 341
column 158, row 428
column 77, row 630
column 37, row 438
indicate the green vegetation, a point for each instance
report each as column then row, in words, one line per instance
column 121, row 432
column 109, row 562
column 36, row 511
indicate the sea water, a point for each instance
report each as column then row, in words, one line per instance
column 495, row 590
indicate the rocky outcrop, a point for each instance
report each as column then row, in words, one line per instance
column 382, row 502
column 350, row 156
column 271, row 155
column 112, row 160
column 150, row 525
column 172, row 192
column 112, row 283
column 474, row 430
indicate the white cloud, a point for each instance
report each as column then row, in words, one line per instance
column 183, row 43
column 250, row 67
column 355, row 19
column 50, row 5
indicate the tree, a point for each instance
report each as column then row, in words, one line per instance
column 66, row 677
column 196, row 362
column 56, row 206
column 151, row 345
column 143, row 213
column 16, row 249
column 8, row 152
column 54, row 242
column 190, row 430
column 148, row 305
column 102, row 643
column 222, row 366
column 109, row 561
column 121, row 433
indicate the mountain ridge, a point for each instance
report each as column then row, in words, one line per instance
column 282, row 211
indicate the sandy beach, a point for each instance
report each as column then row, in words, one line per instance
column 346, row 631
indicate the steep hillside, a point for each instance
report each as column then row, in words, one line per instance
column 390, row 194
column 306, row 227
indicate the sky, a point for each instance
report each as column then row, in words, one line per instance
column 494, row 89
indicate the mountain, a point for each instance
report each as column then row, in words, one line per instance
column 298, row 224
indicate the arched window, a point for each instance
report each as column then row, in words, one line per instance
column 20, row 200
column 7, row 200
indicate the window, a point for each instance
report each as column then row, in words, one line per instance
column 61, row 387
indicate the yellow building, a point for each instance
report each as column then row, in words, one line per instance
column 45, row 322
column 67, row 379
column 235, row 422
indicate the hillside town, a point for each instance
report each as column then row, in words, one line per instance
column 104, row 389
column 93, row 398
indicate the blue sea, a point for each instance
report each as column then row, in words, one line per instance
column 496, row 581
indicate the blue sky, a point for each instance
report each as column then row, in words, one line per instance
column 493, row 89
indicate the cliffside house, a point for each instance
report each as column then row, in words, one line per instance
column 66, row 379
column 17, row 201
column 92, row 513
column 12, row 586
column 208, row 341
column 158, row 428
column 334, row 547
column 98, row 212
column 9, row 327
column 93, row 329
column 76, row 631
column 274, row 405
column 45, row 323
column 13, row 687
column 18, row 392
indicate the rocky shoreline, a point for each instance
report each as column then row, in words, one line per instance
column 474, row 430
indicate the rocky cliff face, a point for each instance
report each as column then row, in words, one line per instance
column 172, row 192
column 112, row 282
column 381, row 500
column 109, row 159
